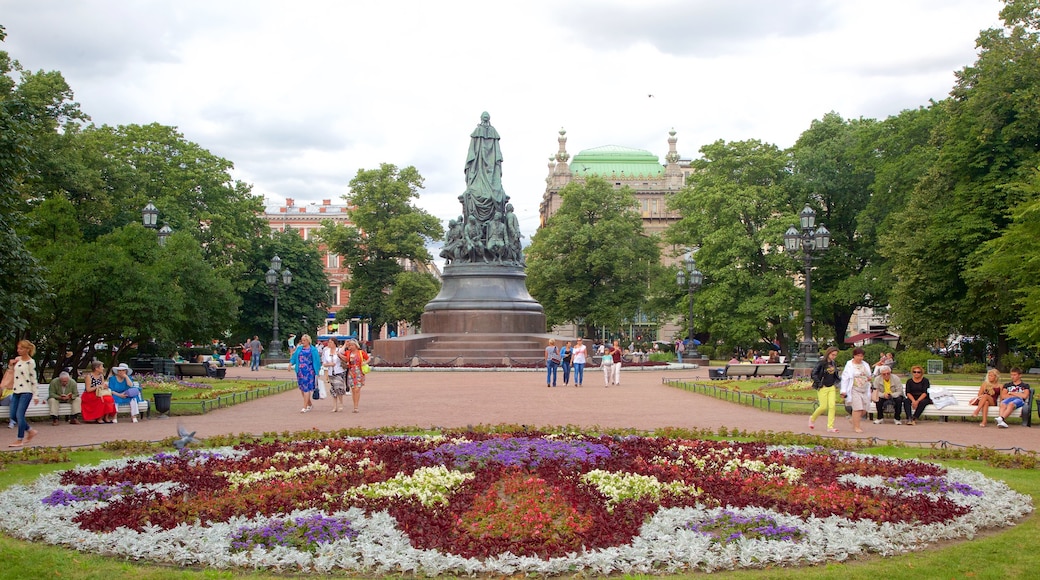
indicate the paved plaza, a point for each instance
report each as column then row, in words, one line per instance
column 425, row 398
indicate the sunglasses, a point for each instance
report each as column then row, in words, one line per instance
column 916, row 372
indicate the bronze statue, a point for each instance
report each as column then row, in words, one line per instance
column 490, row 230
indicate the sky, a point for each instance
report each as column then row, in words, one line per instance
column 301, row 94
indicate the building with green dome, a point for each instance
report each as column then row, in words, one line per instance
column 650, row 181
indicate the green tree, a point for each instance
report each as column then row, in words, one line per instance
column 387, row 228
column 592, row 263
column 988, row 150
column 412, row 292
column 734, row 211
column 31, row 107
column 833, row 163
column 306, row 298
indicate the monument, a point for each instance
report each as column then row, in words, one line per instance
column 483, row 313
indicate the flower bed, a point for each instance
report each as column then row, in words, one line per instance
column 527, row 503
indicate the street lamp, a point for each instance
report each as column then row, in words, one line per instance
column 691, row 278
column 164, row 232
column 275, row 348
column 149, row 216
column 808, row 240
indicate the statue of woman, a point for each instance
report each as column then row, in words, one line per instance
column 484, row 194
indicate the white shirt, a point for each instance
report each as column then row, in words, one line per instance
column 331, row 361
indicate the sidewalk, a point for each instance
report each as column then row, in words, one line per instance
column 461, row 398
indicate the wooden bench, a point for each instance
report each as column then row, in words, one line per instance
column 40, row 408
column 182, row 370
column 749, row 370
column 963, row 394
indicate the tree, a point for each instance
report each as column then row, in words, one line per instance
column 412, row 292
column 306, row 298
column 988, row 151
column 834, row 163
column 387, row 228
column 734, row 211
column 111, row 173
column 29, row 108
column 592, row 263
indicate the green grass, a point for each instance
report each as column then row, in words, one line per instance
column 196, row 400
column 1001, row 554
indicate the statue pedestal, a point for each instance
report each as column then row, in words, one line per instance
column 482, row 314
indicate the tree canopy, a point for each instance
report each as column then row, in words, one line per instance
column 592, row 264
column 387, row 229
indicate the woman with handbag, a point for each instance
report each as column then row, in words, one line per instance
column 355, row 360
column 987, row 397
column 825, row 381
column 98, row 405
column 306, row 361
column 565, row 362
column 552, row 360
column 24, row 385
column 337, row 374
column 856, row 387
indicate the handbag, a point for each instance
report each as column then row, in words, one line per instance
column 7, row 383
column 365, row 368
column 875, row 396
column 103, row 392
column 555, row 356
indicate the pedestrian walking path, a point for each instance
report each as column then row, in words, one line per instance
column 457, row 399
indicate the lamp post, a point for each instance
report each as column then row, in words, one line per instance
column 809, row 240
column 275, row 348
column 691, row 278
column 150, row 219
column 149, row 216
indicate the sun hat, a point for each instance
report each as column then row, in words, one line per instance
column 123, row 367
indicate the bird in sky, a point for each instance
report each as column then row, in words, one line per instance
column 185, row 438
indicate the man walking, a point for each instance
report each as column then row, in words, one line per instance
column 255, row 348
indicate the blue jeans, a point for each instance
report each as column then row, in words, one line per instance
column 566, row 372
column 679, row 355
column 579, row 373
column 19, row 403
column 254, row 362
column 550, row 373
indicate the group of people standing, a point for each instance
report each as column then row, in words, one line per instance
column 344, row 367
column 577, row 357
column 860, row 388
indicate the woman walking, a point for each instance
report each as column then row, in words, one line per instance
column 580, row 357
column 24, row 390
column 552, row 360
column 354, row 358
column 825, row 380
column 330, row 359
column 306, row 360
column 855, row 387
column 566, row 353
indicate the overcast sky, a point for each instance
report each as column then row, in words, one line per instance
column 301, row 94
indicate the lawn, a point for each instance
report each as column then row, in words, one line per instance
column 204, row 394
column 987, row 556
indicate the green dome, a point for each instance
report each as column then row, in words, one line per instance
column 611, row 161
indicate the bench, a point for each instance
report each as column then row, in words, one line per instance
column 749, row 370
column 182, row 370
column 963, row 394
column 40, row 408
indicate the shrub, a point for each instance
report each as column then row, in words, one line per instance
column 971, row 368
column 910, row 357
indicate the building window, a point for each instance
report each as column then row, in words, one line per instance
column 653, row 207
column 333, row 260
column 335, row 295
